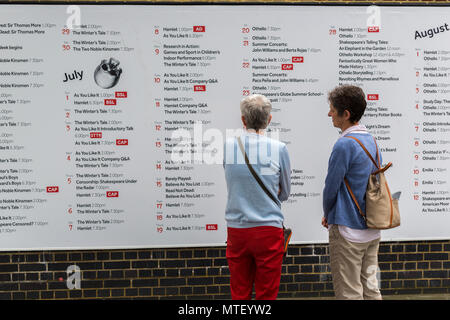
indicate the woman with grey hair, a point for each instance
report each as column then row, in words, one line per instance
column 255, row 239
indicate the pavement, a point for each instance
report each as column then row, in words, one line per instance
column 396, row 297
column 418, row 297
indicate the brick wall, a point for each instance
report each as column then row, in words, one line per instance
column 202, row 273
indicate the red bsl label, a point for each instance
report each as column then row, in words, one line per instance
column 211, row 227
column 373, row 29
column 199, row 88
column 53, row 189
column 297, row 60
column 96, row 135
column 121, row 142
column 121, row 94
column 112, row 194
column 372, row 97
column 110, row 102
column 287, row 66
column 199, row 28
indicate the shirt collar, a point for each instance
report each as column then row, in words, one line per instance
column 359, row 128
column 253, row 131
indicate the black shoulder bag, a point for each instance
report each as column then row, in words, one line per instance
column 287, row 231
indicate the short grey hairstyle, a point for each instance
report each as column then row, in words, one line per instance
column 256, row 110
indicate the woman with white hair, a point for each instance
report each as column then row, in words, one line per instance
column 255, row 240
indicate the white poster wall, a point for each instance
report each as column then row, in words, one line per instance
column 92, row 100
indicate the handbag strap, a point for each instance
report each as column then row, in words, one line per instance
column 255, row 175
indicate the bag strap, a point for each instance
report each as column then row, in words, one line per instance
column 255, row 175
column 373, row 173
column 354, row 199
column 367, row 152
column 370, row 156
column 378, row 166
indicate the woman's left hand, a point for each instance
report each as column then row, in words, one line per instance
column 324, row 222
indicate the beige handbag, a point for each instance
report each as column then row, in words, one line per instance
column 381, row 209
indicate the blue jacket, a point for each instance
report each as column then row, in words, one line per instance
column 348, row 160
column 248, row 205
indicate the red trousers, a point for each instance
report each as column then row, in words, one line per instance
column 255, row 256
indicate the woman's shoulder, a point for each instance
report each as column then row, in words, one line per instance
column 276, row 144
column 230, row 140
column 364, row 138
